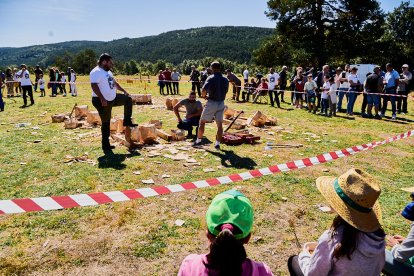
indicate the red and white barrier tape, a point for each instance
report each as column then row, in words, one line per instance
column 23, row 205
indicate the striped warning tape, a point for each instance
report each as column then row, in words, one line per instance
column 23, row 205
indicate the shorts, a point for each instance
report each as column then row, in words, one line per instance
column 373, row 99
column 311, row 96
column 213, row 110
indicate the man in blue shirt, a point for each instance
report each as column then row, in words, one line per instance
column 391, row 81
column 214, row 90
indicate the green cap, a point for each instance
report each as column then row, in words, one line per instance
column 230, row 207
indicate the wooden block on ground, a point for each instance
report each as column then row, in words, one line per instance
column 114, row 125
column 271, row 121
column 237, row 124
column 58, row 118
column 178, row 134
column 175, row 101
column 71, row 123
column 141, row 98
column 164, row 135
column 81, row 111
column 93, row 118
column 168, row 104
column 148, row 134
column 157, row 123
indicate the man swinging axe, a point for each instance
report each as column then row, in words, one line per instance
column 104, row 97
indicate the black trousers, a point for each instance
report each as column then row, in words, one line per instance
column 364, row 103
column 196, row 85
column 176, row 87
column 29, row 90
column 169, row 87
column 402, row 102
column 105, row 112
column 282, row 93
column 293, row 266
column 276, row 98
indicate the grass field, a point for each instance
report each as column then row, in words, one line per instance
column 140, row 237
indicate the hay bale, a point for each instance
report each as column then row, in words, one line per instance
column 58, row 118
column 93, row 118
column 81, row 111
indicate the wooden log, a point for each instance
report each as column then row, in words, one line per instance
column 148, row 133
column 71, row 123
column 135, row 135
column 164, row 135
column 93, row 118
column 258, row 119
column 157, row 123
column 271, row 121
column 58, row 118
column 168, row 104
column 114, row 125
column 175, row 101
column 120, row 125
column 81, row 111
column 238, row 125
column 229, row 112
column 141, row 98
column 178, row 134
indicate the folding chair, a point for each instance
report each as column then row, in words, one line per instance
column 263, row 95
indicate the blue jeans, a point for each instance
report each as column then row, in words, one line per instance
column 325, row 106
column 187, row 124
column 54, row 88
column 391, row 91
column 341, row 95
column 351, row 100
column 1, row 101
column 393, row 267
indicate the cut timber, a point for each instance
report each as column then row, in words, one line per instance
column 135, row 135
column 114, row 125
column 120, row 125
column 71, row 123
column 178, row 135
column 271, row 121
column 148, row 134
column 237, row 124
column 168, row 103
column 58, row 118
column 157, row 123
column 81, row 111
column 258, row 119
column 229, row 112
column 141, row 98
column 175, row 101
column 93, row 118
column 164, row 135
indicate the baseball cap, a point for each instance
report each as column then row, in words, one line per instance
column 408, row 211
column 230, row 207
column 405, row 66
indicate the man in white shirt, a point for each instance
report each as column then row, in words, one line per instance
column 104, row 97
column 26, row 84
column 175, row 77
column 246, row 76
column 273, row 79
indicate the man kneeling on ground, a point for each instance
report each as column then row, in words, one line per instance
column 193, row 108
column 104, row 97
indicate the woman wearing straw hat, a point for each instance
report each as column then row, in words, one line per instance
column 229, row 224
column 400, row 260
column 355, row 243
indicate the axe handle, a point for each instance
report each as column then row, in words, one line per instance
column 231, row 124
column 73, row 109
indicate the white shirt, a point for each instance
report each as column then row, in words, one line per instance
column 345, row 84
column 41, row 83
column 25, row 79
column 310, row 85
column 246, row 74
column 325, row 90
column 175, row 76
column 332, row 92
column 273, row 80
column 353, row 78
column 72, row 77
column 105, row 81
column 63, row 79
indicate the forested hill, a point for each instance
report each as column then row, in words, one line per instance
column 229, row 42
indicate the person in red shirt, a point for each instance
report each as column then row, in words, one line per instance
column 168, row 80
column 261, row 89
column 161, row 82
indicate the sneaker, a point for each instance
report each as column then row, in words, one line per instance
column 380, row 114
column 365, row 115
column 217, row 147
column 197, row 144
column 394, row 117
column 377, row 117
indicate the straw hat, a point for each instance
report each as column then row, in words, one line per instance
column 353, row 196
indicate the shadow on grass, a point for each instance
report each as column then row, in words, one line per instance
column 234, row 160
column 114, row 160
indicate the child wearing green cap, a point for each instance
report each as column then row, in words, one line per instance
column 229, row 224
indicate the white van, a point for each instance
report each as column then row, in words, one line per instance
column 363, row 70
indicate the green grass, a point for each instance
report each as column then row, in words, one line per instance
column 141, row 234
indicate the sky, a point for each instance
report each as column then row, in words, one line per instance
column 36, row 22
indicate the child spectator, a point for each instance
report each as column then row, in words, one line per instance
column 355, row 243
column 41, row 83
column 229, row 224
column 310, row 89
column 63, row 83
column 325, row 96
column 400, row 260
column 332, row 96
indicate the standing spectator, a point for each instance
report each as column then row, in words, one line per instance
column 193, row 108
column 175, row 77
column 283, row 82
column 73, row 89
column 161, row 82
column 364, row 99
column 68, row 73
column 215, row 90
column 319, row 81
column 299, row 82
column 236, row 83
column 229, row 224
column 391, row 82
column 1, row 94
column 63, row 83
column 332, row 97
column 325, row 96
column 37, row 72
column 203, row 76
column 403, row 89
column 400, row 260
column 373, row 85
column 9, row 83
column 17, row 84
column 41, row 83
column 343, row 87
column 26, row 84
column 104, row 97
column 273, row 79
column 195, row 80
column 310, row 89
column 355, row 242
column 246, row 76
column 354, row 84
column 168, row 80
column 52, row 79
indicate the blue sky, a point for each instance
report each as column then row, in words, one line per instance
column 32, row 22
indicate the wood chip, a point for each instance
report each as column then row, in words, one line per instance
column 137, row 172
column 179, row 222
column 148, row 181
column 165, row 176
column 325, row 209
column 206, row 170
column 191, row 160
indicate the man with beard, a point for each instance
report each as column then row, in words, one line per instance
column 193, row 108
